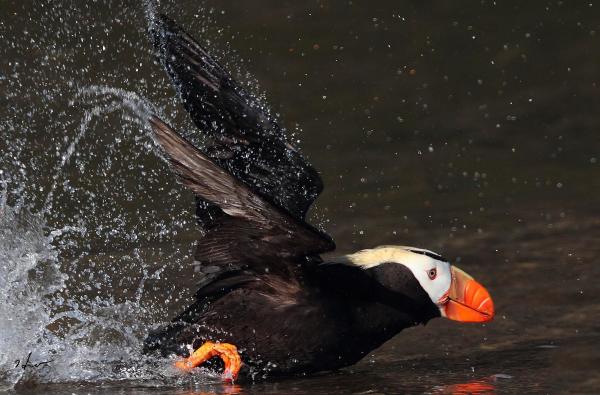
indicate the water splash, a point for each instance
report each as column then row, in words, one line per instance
column 91, row 222
column 61, row 317
column 104, row 100
column 29, row 274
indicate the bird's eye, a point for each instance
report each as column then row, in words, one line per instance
column 432, row 273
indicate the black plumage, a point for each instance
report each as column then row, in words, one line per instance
column 247, row 141
column 266, row 289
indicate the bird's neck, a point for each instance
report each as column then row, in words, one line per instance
column 380, row 322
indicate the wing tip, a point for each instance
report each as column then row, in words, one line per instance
column 174, row 148
column 159, row 26
column 160, row 129
column 156, row 122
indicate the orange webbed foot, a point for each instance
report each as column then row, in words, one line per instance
column 227, row 352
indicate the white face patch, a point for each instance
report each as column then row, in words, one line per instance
column 429, row 269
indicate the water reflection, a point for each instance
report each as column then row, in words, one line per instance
column 225, row 389
column 472, row 387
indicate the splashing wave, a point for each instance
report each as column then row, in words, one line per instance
column 62, row 316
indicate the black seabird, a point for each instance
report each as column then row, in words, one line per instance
column 268, row 302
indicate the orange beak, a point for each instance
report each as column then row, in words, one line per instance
column 466, row 300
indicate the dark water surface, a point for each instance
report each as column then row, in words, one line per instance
column 469, row 128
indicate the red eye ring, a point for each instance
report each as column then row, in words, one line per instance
column 432, row 273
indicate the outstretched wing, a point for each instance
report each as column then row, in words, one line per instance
column 249, row 144
column 248, row 230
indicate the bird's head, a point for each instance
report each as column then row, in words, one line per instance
column 427, row 279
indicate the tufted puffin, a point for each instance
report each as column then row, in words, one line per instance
column 267, row 303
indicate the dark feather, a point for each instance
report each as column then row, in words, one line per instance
column 248, row 141
column 250, row 230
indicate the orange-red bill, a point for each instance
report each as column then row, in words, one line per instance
column 467, row 301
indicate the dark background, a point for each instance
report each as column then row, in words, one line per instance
column 469, row 128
